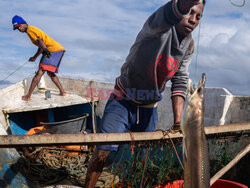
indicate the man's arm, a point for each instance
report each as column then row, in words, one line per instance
column 42, row 46
column 40, row 43
column 178, row 105
column 39, row 51
column 179, row 86
column 167, row 16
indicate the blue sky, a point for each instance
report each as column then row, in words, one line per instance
column 98, row 34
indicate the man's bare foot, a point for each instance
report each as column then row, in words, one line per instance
column 63, row 94
column 25, row 98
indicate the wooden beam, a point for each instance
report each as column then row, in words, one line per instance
column 227, row 128
column 230, row 165
column 10, row 141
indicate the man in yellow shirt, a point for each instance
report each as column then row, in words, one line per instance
column 52, row 54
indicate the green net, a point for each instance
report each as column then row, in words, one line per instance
column 151, row 165
column 135, row 165
column 148, row 165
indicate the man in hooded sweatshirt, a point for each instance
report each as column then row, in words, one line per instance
column 162, row 51
column 52, row 54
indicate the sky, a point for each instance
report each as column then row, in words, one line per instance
column 97, row 36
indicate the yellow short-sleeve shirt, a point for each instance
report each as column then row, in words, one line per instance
column 34, row 33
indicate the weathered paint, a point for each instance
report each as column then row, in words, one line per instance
column 51, row 115
column 222, row 107
column 19, row 124
column 10, row 175
column 15, row 129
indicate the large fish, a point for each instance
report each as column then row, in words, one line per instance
column 195, row 146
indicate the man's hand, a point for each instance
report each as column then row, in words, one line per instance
column 32, row 59
column 46, row 52
column 176, row 128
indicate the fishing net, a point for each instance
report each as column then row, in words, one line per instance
column 147, row 165
column 144, row 164
column 223, row 149
column 51, row 165
column 156, row 164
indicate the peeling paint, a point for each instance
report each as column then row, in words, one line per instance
column 9, row 172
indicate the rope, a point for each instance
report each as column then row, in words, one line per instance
column 198, row 43
column 14, row 71
column 238, row 5
column 166, row 133
column 132, row 145
column 51, row 165
column 175, row 151
column 145, row 164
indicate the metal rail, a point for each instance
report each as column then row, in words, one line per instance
column 13, row 141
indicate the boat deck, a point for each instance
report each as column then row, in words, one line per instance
column 39, row 102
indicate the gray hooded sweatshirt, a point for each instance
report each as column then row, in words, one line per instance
column 156, row 57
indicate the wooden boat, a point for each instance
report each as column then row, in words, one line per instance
column 83, row 97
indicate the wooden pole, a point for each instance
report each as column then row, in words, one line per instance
column 9, row 141
column 93, row 116
column 227, row 128
column 230, row 165
column 93, row 107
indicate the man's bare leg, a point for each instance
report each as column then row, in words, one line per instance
column 56, row 81
column 95, row 167
column 34, row 83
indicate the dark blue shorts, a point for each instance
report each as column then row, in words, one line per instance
column 51, row 63
column 121, row 116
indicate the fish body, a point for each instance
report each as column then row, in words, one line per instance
column 195, row 146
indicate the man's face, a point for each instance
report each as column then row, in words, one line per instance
column 190, row 22
column 22, row 28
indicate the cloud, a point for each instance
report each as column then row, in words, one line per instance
column 224, row 47
column 97, row 36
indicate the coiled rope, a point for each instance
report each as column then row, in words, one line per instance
column 51, row 165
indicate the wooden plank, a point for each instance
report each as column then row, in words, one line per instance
column 8, row 141
column 227, row 128
column 230, row 165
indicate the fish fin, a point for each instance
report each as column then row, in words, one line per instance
column 184, row 151
column 190, row 89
